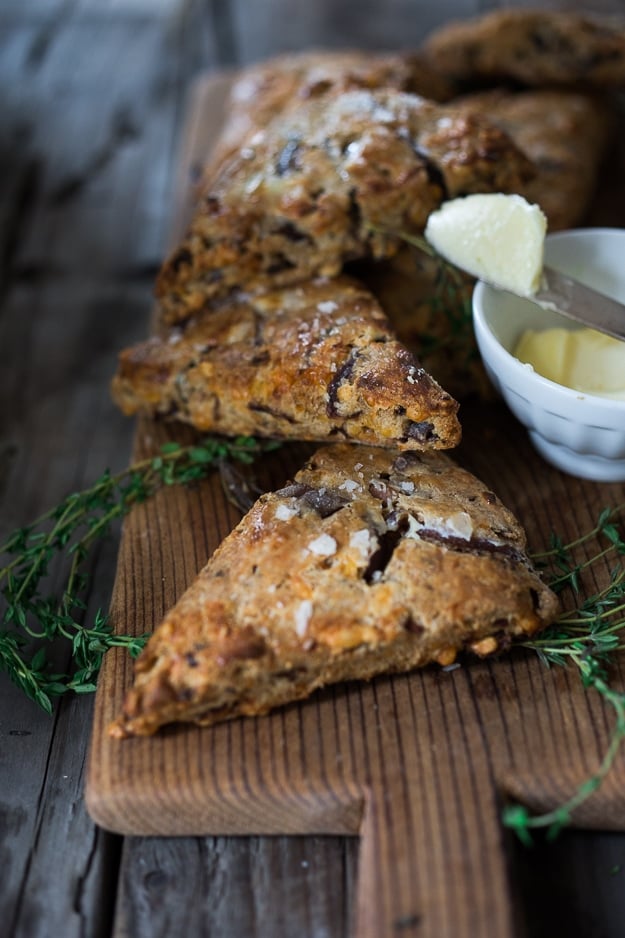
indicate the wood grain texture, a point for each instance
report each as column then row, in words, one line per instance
column 274, row 886
column 419, row 766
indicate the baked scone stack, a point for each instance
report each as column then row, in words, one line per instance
column 298, row 307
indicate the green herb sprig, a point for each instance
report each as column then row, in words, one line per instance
column 586, row 637
column 34, row 617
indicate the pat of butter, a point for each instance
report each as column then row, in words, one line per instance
column 581, row 359
column 497, row 238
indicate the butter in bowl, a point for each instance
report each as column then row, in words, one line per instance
column 549, row 322
column 575, row 409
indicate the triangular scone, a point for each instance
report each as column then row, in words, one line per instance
column 535, row 47
column 314, row 362
column 265, row 89
column 566, row 135
column 368, row 562
column 325, row 185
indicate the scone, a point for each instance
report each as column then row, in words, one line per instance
column 268, row 89
column 317, row 361
column 566, row 136
column 368, row 562
column 332, row 182
column 532, row 46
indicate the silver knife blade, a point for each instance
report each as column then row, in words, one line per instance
column 575, row 300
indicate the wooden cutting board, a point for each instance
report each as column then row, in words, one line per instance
column 417, row 766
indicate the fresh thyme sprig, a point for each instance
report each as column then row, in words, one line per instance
column 34, row 618
column 586, row 637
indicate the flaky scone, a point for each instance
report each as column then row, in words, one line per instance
column 313, row 362
column 368, row 562
column 532, row 46
column 327, row 185
column 566, row 136
column 268, row 89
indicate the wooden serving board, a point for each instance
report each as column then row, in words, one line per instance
column 417, row 766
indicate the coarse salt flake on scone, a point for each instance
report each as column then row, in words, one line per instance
column 369, row 561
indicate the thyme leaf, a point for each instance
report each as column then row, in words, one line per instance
column 38, row 626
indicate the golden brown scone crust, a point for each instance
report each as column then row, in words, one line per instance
column 369, row 562
column 564, row 133
column 534, row 47
column 312, row 362
column 266, row 90
column 323, row 186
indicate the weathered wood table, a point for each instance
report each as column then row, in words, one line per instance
column 91, row 115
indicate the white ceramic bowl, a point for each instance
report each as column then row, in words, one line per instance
column 581, row 434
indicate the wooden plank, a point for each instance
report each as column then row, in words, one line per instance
column 416, row 765
column 264, row 886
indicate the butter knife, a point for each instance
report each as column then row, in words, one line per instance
column 575, row 300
